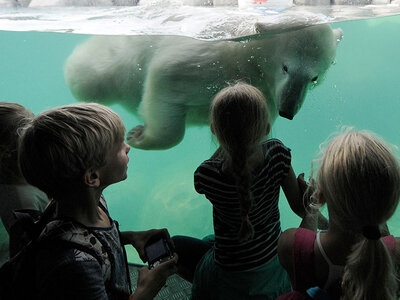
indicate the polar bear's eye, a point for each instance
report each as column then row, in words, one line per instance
column 315, row 79
column 285, row 68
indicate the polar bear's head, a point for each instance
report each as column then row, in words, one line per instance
column 301, row 60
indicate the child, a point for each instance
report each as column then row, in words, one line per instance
column 15, row 192
column 73, row 153
column 242, row 181
column 359, row 180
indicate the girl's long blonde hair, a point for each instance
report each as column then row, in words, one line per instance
column 359, row 179
column 239, row 120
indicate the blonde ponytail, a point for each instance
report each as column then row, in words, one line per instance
column 369, row 272
column 359, row 177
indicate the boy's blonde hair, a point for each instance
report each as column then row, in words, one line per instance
column 61, row 144
column 359, row 178
column 239, row 119
column 13, row 117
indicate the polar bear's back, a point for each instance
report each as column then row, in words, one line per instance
column 105, row 67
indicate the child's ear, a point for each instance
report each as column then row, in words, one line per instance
column 91, row 178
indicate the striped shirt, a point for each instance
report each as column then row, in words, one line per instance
column 221, row 191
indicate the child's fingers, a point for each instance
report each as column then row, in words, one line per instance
column 167, row 236
column 163, row 232
column 143, row 272
column 168, row 267
column 302, row 183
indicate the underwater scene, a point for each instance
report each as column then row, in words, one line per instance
column 359, row 87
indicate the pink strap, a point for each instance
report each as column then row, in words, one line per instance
column 303, row 257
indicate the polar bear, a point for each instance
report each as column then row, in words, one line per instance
column 45, row 3
column 170, row 81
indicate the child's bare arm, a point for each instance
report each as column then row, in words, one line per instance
column 313, row 218
column 294, row 193
column 285, row 252
column 310, row 221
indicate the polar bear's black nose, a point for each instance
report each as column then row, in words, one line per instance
column 284, row 114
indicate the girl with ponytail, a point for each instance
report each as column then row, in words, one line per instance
column 359, row 180
column 242, row 181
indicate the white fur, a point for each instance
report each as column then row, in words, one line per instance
column 172, row 79
column 44, row 3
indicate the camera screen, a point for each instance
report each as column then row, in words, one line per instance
column 156, row 250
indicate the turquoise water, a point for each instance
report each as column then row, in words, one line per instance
column 360, row 90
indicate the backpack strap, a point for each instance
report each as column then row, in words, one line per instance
column 77, row 236
column 303, row 257
column 128, row 277
column 28, row 226
column 103, row 205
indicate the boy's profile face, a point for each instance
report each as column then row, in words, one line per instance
column 116, row 166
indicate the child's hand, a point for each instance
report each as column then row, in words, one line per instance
column 139, row 239
column 302, row 183
column 151, row 281
column 307, row 189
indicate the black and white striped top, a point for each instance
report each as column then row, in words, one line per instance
column 220, row 189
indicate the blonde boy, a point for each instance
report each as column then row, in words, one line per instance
column 73, row 153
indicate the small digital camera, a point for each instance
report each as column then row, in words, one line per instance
column 157, row 251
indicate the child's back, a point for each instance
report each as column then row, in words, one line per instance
column 219, row 186
column 359, row 180
column 242, row 181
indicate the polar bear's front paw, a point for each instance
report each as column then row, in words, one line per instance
column 135, row 135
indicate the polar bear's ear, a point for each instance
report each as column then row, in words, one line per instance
column 338, row 33
column 262, row 27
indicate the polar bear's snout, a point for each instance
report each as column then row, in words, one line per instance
column 291, row 96
column 286, row 115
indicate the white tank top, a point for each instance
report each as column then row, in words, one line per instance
column 335, row 271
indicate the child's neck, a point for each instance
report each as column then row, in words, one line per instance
column 83, row 208
column 338, row 243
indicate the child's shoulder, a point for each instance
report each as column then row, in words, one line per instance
column 210, row 165
column 273, row 142
column 274, row 146
column 289, row 236
column 290, row 239
column 285, row 248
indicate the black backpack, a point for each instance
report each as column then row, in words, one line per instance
column 33, row 230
